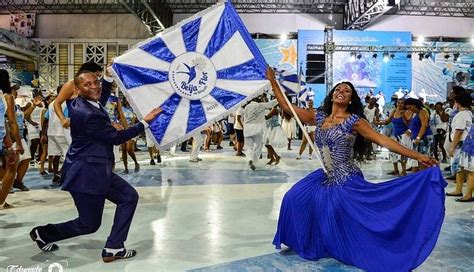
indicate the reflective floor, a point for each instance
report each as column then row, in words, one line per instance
column 215, row 215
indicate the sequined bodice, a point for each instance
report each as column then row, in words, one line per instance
column 336, row 145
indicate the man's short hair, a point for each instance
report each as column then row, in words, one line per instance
column 77, row 77
column 463, row 99
column 90, row 66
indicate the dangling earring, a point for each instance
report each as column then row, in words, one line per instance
column 350, row 102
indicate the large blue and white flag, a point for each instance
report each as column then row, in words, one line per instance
column 197, row 71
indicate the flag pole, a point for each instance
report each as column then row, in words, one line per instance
column 305, row 133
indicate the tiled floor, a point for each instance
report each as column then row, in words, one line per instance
column 215, row 215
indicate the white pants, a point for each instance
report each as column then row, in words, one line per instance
column 149, row 138
column 26, row 148
column 57, row 145
column 254, row 144
column 197, row 143
column 173, row 150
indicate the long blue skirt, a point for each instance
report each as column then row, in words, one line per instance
column 389, row 226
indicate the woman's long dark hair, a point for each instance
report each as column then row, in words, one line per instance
column 355, row 107
column 5, row 81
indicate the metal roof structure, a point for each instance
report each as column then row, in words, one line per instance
column 158, row 14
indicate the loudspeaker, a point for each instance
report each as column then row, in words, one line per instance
column 315, row 68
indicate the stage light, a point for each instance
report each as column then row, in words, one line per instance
column 283, row 37
column 386, row 58
column 446, row 57
column 359, row 56
column 427, row 55
column 408, row 56
column 374, row 55
column 455, row 56
column 420, row 56
column 392, row 56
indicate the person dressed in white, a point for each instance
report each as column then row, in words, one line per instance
column 57, row 140
column 371, row 113
column 197, row 143
column 152, row 150
column 232, row 137
column 239, row 131
column 33, row 121
column 274, row 136
column 460, row 128
column 254, row 127
column 380, row 100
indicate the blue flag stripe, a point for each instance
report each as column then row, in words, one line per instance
column 244, row 71
column 161, row 123
column 228, row 99
column 134, row 76
column 190, row 33
column 225, row 29
column 292, row 78
column 287, row 90
column 158, row 48
column 261, row 64
column 196, row 117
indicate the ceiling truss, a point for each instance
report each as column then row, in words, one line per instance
column 155, row 15
column 263, row 6
column 449, row 8
column 158, row 14
column 360, row 13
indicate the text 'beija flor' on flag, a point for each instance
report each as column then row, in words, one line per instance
column 197, row 71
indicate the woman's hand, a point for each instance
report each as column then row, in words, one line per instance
column 19, row 149
column 426, row 160
column 11, row 156
column 379, row 123
column 270, row 74
column 65, row 122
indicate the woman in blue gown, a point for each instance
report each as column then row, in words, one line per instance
column 388, row 226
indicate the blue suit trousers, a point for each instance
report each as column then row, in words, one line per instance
column 90, row 208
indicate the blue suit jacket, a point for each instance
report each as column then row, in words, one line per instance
column 90, row 158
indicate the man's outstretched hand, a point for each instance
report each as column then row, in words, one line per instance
column 152, row 115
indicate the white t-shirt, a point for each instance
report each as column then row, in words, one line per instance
column 462, row 121
column 437, row 123
column 240, row 111
column 370, row 113
column 254, row 117
column 33, row 131
column 54, row 124
column 231, row 118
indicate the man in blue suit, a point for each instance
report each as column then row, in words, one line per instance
column 87, row 171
